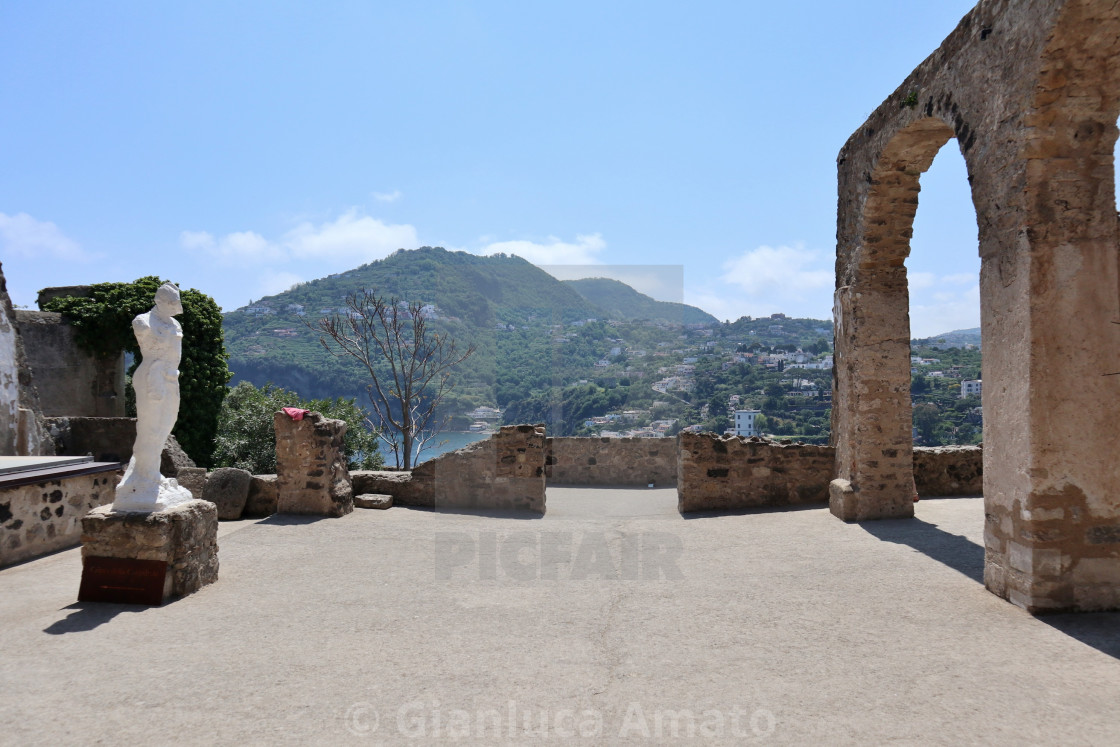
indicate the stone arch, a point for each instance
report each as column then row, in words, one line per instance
column 1031, row 90
column 875, row 357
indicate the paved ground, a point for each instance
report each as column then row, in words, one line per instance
column 612, row 616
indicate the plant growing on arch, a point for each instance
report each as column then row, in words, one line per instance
column 409, row 366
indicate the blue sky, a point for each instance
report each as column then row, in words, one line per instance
column 238, row 148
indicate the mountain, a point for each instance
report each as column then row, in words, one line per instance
column 956, row 338
column 530, row 330
column 620, row 301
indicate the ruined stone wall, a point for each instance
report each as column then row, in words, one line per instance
column 106, row 439
column 611, row 461
column 311, row 473
column 69, row 380
column 22, row 432
column 731, row 472
column 949, row 470
column 504, row 472
column 44, row 517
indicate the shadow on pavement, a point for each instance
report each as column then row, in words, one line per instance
column 1101, row 630
column 89, row 615
column 958, row 552
column 490, row 513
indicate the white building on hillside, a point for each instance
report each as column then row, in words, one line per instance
column 970, row 388
column 744, row 422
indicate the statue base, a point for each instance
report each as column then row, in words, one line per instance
column 147, row 557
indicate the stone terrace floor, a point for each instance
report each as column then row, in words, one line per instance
column 776, row 627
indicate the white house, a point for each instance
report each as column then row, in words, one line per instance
column 744, row 422
column 971, row 388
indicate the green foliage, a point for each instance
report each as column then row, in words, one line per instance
column 247, row 439
column 911, row 100
column 103, row 323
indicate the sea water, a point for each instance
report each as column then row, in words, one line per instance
column 441, row 444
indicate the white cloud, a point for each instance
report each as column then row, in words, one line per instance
column 962, row 278
column 272, row 282
column 351, row 238
column 24, row 236
column 921, row 280
column 792, row 272
column 387, row 196
column 944, row 311
column 553, row 251
column 241, row 247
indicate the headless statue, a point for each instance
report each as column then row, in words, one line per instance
column 156, row 382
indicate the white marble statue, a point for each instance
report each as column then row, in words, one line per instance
column 156, row 382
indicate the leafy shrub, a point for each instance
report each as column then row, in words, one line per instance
column 246, row 438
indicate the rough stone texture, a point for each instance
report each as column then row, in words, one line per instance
column 949, row 470
column 373, row 500
column 22, row 431
column 44, row 517
column 611, row 461
column 69, row 380
column 311, row 466
column 504, row 472
column 228, row 489
column 1030, row 89
column 399, row 484
column 262, row 496
column 193, row 479
column 731, row 472
column 186, row 536
column 173, row 459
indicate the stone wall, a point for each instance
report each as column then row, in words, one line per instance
column 22, row 432
column 311, row 473
column 69, row 380
column 730, row 472
column 725, row 473
column 611, row 461
column 106, row 439
column 949, row 470
column 44, row 517
column 504, row 472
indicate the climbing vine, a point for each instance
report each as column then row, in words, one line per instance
column 103, row 325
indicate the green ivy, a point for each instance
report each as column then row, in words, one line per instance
column 103, row 324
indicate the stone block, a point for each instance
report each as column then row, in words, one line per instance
column 173, row 459
column 312, row 477
column 228, row 489
column 194, row 480
column 373, row 500
column 262, row 496
column 184, row 536
column 842, row 500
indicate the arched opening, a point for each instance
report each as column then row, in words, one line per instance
column 943, row 274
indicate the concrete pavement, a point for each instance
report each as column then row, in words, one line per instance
column 612, row 618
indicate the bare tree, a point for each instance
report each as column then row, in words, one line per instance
column 409, row 366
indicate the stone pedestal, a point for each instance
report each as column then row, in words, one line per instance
column 311, row 473
column 185, row 537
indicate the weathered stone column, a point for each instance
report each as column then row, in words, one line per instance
column 311, row 473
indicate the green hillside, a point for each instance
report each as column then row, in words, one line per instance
column 530, row 330
column 622, row 302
